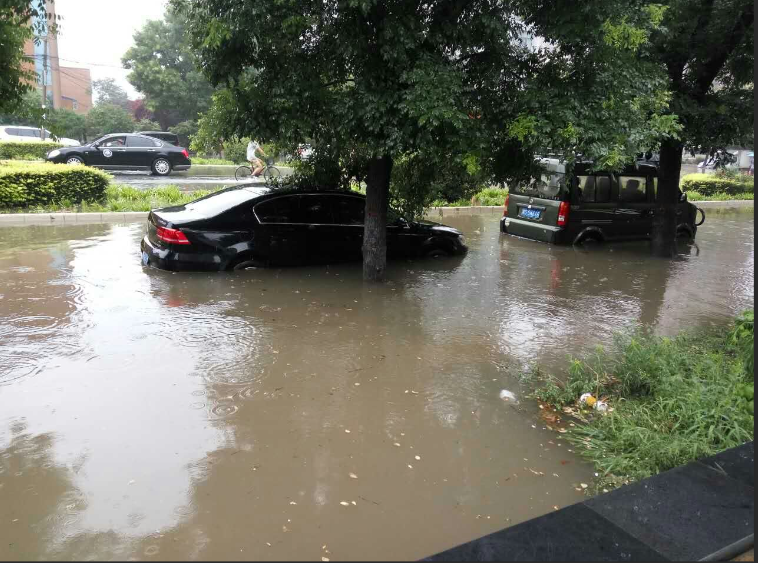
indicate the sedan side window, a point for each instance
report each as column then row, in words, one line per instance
column 316, row 210
column 279, row 210
column 137, row 141
column 114, row 142
column 349, row 211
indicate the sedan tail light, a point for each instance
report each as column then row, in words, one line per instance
column 185, row 153
column 563, row 213
column 505, row 207
column 172, row 236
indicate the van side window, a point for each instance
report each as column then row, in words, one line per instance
column 632, row 189
column 594, row 189
column 586, row 188
column 603, row 192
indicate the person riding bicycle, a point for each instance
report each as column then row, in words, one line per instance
column 256, row 164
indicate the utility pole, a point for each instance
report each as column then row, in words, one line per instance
column 44, row 88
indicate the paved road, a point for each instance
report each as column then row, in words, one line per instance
column 144, row 180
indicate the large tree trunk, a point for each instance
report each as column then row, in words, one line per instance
column 664, row 219
column 375, row 227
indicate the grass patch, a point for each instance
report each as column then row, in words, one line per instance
column 212, row 161
column 671, row 401
column 719, row 196
column 121, row 198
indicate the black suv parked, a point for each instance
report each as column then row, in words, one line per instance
column 563, row 209
column 125, row 151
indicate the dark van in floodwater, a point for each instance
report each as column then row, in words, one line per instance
column 602, row 206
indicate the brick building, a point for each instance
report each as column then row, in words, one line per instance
column 65, row 87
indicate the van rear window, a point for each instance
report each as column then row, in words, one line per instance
column 550, row 185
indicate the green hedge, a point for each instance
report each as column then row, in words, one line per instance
column 711, row 184
column 24, row 185
column 12, row 150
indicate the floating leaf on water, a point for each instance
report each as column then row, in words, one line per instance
column 396, row 444
column 354, row 503
column 418, row 457
column 353, row 476
column 344, row 503
column 293, row 502
column 410, row 466
column 356, row 384
column 347, row 431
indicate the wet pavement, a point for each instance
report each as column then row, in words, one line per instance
column 146, row 181
column 300, row 413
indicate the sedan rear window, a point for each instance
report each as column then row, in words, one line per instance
column 218, row 202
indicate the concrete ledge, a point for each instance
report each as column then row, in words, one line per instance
column 735, row 205
column 20, row 219
column 432, row 212
column 702, row 511
column 218, row 170
column 15, row 219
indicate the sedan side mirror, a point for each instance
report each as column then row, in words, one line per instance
column 683, row 197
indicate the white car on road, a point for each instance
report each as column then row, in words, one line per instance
column 22, row 134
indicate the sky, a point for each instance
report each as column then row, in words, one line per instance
column 97, row 33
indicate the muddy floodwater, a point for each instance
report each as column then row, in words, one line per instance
column 300, row 413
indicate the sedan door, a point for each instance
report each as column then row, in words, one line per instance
column 110, row 153
column 347, row 237
column 282, row 234
column 323, row 239
column 140, row 151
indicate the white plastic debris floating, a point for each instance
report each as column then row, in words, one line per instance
column 506, row 395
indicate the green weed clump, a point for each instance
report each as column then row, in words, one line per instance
column 671, row 401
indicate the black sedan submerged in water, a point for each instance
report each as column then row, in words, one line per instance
column 244, row 226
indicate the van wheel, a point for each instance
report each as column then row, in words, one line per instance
column 592, row 238
column 683, row 233
column 246, row 263
column 161, row 167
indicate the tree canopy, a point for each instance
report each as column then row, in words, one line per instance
column 108, row 118
column 497, row 80
column 109, row 92
column 20, row 20
column 163, row 69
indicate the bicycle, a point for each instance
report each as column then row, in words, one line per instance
column 270, row 172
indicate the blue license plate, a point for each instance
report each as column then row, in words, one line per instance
column 531, row 213
column 145, row 258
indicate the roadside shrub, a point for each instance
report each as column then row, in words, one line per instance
column 211, row 161
column 490, row 197
column 13, row 150
column 25, row 185
column 709, row 184
column 236, row 150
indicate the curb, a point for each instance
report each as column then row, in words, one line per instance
column 729, row 205
column 20, row 219
column 17, row 219
column 702, row 511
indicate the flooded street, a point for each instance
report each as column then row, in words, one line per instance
column 300, row 413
